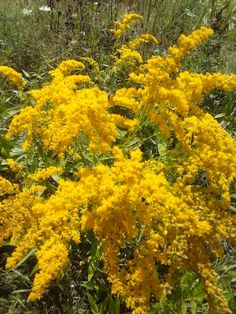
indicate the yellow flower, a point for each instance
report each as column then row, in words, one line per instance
column 14, row 77
column 52, row 259
column 15, row 166
column 125, row 24
column 6, row 187
column 43, row 174
column 92, row 63
column 143, row 39
column 187, row 43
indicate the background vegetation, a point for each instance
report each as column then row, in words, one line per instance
column 37, row 35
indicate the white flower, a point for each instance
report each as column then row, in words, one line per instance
column 73, row 42
column 45, row 8
column 26, row 11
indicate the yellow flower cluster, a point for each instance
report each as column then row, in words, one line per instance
column 143, row 39
column 66, row 108
column 65, row 67
column 14, row 166
column 129, row 54
column 22, row 230
column 172, row 214
column 187, row 43
column 6, row 187
column 125, row 24
column 94, row 65
column 46, row 225
column 53, row 258
column 45, row 173
column 14, row 77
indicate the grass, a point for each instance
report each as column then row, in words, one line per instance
column 75, row 28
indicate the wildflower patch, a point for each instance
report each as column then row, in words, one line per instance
column 91, row 175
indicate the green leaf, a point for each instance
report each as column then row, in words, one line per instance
column 5, row 143
column 228, row 267
column 26, row 74
column 34, row 270
column 11, row 112
column 103, row 305
column 92, row 303
column 183, row 308
column 31, row 253
column 162, row 148
column 17, row 152
column 220, row 115
column 95, row 260
column 22, row 276
column 233, row 209
column 114, row 306
column 133, row 142
column 90, row 285
column 233, row 196
column 21, row 291
column 198, row 292
column 56, row 178
column 193, row 307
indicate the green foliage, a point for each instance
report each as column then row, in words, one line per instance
column 188, row 295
